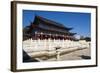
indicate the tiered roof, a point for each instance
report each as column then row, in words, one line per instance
column 53, row 23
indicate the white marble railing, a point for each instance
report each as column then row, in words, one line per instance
column 49, row 45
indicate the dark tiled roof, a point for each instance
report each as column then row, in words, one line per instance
column 51, row 22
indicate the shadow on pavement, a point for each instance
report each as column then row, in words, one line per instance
column 85, row 57
column 27, row 58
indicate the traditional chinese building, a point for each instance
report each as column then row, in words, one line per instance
column 43, row 28
column 35, row 48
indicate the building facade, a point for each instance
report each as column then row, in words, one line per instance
column 43, row 28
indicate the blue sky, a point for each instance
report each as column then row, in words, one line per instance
column 80, row 22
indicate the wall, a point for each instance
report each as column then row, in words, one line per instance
column 5, row 37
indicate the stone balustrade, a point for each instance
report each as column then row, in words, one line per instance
column 49, row 45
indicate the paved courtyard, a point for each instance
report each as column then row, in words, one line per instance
column 75, row 55
column 79, row 54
